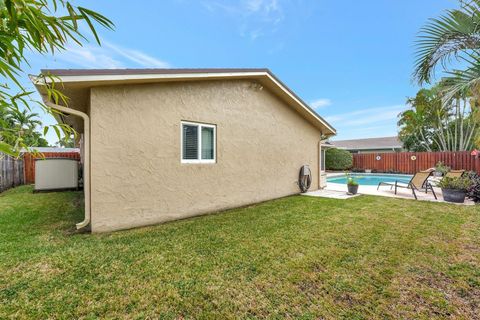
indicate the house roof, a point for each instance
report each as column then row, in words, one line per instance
column 83, row 79
column 370, row 144
column 90, row 72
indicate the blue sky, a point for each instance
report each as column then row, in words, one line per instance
column 351, row 60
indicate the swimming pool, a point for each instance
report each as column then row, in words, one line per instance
column 371, row 179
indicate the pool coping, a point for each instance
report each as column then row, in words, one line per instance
column 338, row 174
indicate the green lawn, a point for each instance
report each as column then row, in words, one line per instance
column 296, row 257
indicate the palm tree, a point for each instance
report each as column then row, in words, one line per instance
column 23, row 120
column 418, row 124
column 454, row 36
column 18, row 126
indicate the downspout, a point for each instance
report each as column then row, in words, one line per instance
column 86, row 162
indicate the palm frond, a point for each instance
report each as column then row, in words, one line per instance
column 446, row 38
column 467, row 80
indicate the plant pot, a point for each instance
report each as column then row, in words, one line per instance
column 352, row 189
column 454, row 195
column 368, row 170
column 437, row 174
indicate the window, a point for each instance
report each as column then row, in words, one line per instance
column 198, row 143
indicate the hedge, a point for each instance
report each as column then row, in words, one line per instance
column 338, row 159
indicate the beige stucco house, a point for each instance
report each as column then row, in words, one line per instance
column 165, row 144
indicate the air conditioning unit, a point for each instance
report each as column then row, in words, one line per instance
column 56, row 174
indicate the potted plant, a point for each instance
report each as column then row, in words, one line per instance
column 455, row 189
column 440, row 169
column 352, row 185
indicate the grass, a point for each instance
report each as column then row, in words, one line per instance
column 296, row 257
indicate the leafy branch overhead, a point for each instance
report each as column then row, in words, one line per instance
column 44, row 27
column 32, row 25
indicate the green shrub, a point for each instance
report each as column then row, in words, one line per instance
column 338, row 159
column 462, row 183
column 441, row 167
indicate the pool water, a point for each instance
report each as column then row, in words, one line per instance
column 367, row 179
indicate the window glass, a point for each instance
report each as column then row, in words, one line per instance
column 190, row 142
column 207, row 143
column 198, row 143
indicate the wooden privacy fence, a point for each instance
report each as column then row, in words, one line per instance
column 11, row 174
column 411, row 162
column 29, row 162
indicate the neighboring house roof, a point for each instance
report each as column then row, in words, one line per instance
column 327, row 144
column 54, row 149
column 369, row 144
column 87, row 78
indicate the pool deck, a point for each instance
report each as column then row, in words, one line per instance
column 335, row 190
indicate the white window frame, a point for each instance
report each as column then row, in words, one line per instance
column 199, row 146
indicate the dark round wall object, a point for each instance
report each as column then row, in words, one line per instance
column 304, row 178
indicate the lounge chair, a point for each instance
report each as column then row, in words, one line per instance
column 455, row 173
column 419, row 182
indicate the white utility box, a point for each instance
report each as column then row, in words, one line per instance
column 56, row 174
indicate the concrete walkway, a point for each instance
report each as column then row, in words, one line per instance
column 333, row 194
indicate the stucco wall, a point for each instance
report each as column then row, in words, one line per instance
column 138, row 178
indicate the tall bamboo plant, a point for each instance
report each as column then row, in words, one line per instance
column 435, row 124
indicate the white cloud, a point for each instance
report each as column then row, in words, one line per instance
column 138, row 57
column 366, row 123
column 213, row 6
column 367, row 116
column 266, row 6
column 245, row 7
column 89, row 56
column 255, row 18
column 108, row 56
column 320, row 103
